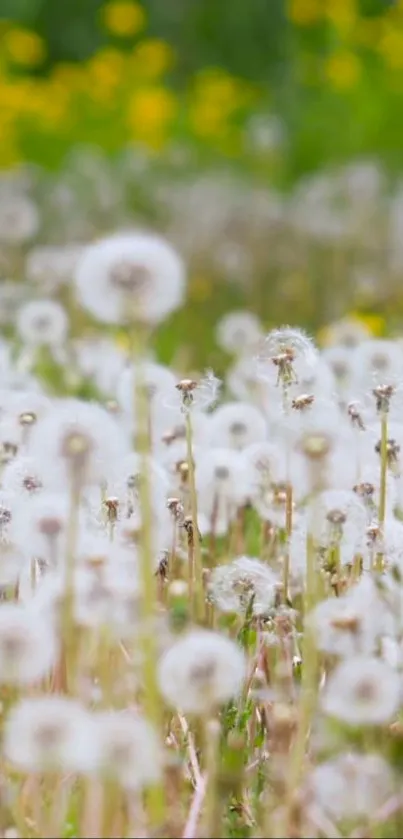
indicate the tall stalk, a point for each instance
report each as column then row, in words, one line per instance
column 152, row 701
column 198, row 608
column 288, row 534
column 308, row 685
column 383, row 484
column 67, row 659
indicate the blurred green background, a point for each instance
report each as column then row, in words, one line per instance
column 333, row 69
column 275, row 112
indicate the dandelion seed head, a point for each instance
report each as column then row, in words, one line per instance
column 130, row 277
column 201, row 671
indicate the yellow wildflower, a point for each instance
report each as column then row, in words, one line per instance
column 123, row 18
column 216, row 86
column 375, row 323
column 343, row 69
column 391, row 47
column 207, row 119
column 24, row 47
column 342, row 14
column 105, row 72
column 305, row 12
column 150, row 112
column 153, row 57
column 367, row 32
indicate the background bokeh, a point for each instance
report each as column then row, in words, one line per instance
column 263, row 138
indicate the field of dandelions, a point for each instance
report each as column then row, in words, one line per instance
column 201, row 576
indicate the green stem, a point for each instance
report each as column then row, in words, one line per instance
column 383, row 483
column 288, row 533
column 152, row 701
column 213, row 811
column 69, row 642
column 197, row 559
column 308, row 684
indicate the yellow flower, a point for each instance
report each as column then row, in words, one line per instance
column 343, row 70
column 375, row 323
column 24, row 47
column 342, row 14
column 153, row 57
column 305, row 12
column 106, row 69
column 391, row 47
column 9, row 152
column 207, row 119
column 150, row 112
column 123, row 17
column 70, row 75
column 367, row 32
column 216, row 86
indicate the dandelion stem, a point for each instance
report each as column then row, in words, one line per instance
column 198, row 567
column 149, row 584
column 308, row 683
column 69, row 646
column 383, row 483
column 288, row 533
column 213, row 817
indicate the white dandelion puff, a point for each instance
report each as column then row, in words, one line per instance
column 362, row 691
column 201, row 671
column 50, row 734
column 130, row 277
column 244, row 581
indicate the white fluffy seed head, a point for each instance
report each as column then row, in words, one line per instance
column 50, row 734
column 245, row 581
column 129, row 750
column 42, row 323
column 28, row 646
column 236, row 425
column 130, row 277
column 239, row 332
column 77, row 442
column 362, row 691
column 201, row 671
column 350, row 785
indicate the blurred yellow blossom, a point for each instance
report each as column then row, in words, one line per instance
column 391, row 46
column 206, row 118
column 150, row 112
column 123, row 17
column 367, row 32
column 374, row 322
column 305, row 12
column 106, row 70
column 214, row 85
column 214, row 97
column 24, row 47
column 153, row 57
column 342, row 14
column 343, row 69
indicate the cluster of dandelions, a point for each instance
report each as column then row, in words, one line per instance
column 344, row 223
column 201, row 619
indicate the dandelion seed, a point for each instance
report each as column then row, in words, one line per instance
column 201, row 671
column 351, row 785
column 130, row 277
column 50, row 734
column 243, row 582
column 128, row 749
column 28, row 646
column 362, row 691
column 42, row 323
